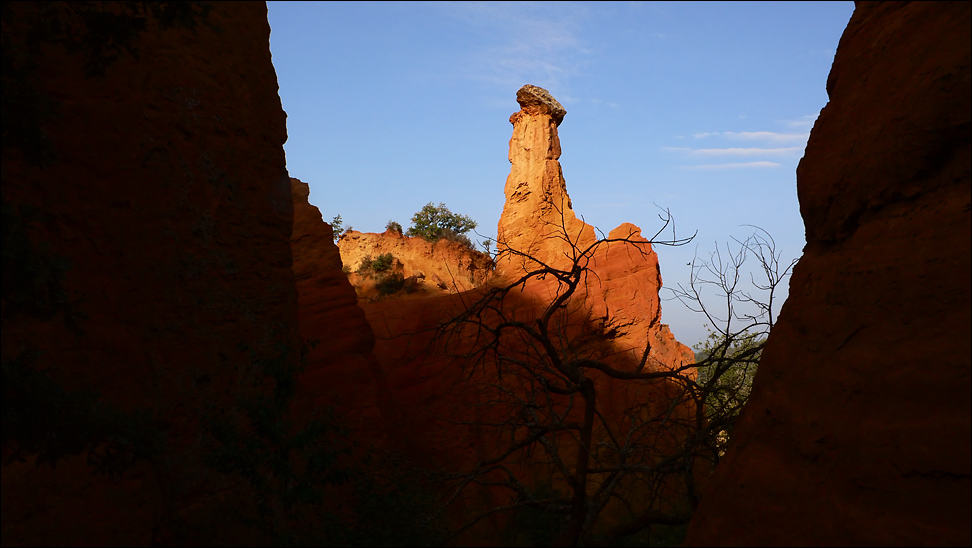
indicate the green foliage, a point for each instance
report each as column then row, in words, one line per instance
column 386, row 281
column 727, row 376
column 435, row 222
column 448, row 234
column 394, row 227
column 382, row 263
column 338, row 227
column 390, row 283
column 364, row 268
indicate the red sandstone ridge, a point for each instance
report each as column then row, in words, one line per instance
column 858, row 428
column 167, row 201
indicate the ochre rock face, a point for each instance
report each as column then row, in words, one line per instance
column 858, row 429
column 624, row 283
column 169, row 201
column 441, row 266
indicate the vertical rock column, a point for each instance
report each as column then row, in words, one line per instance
column 537, row 217
column 539, row 222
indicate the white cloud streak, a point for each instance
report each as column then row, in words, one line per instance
column 764, row 136
column 709, row 152
column 804, row 122
column 530, row 43
column 742, row 165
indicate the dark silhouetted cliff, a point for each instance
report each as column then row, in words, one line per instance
column 858, row 430
column 148, row 261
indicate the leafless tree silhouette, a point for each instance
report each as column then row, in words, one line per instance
column 592, row 445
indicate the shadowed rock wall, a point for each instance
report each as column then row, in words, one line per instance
column 858, row 430
column 168, row 202
column 341, row 369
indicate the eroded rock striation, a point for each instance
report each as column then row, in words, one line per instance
column 858, row 428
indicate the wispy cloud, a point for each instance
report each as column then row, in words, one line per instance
column 761, row 164
column 529, row 42
column 762, row 156
column 709, row 152
column 598, row 102
column 763, row 136
column 803, row 122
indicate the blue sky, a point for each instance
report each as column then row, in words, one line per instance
column 699, row 108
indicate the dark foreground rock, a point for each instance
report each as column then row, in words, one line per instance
column 858, row 430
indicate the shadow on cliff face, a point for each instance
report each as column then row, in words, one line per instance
column 550, row 393
column 481, row 423
column 512, row 393
column 150, row 345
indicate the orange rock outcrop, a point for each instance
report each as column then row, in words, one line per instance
column 441, row 398
column 858, row 428
column 168, row 205
column 538, row 219
column 539, row 227
column 431, row 267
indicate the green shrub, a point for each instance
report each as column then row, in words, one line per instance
column 452, row 236
column 431, row 222
column 382, row 263
column 394, row 227
column 390, row 283
column 365, row 266
column 337, row 225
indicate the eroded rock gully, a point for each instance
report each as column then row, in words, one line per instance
column 858, row 430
